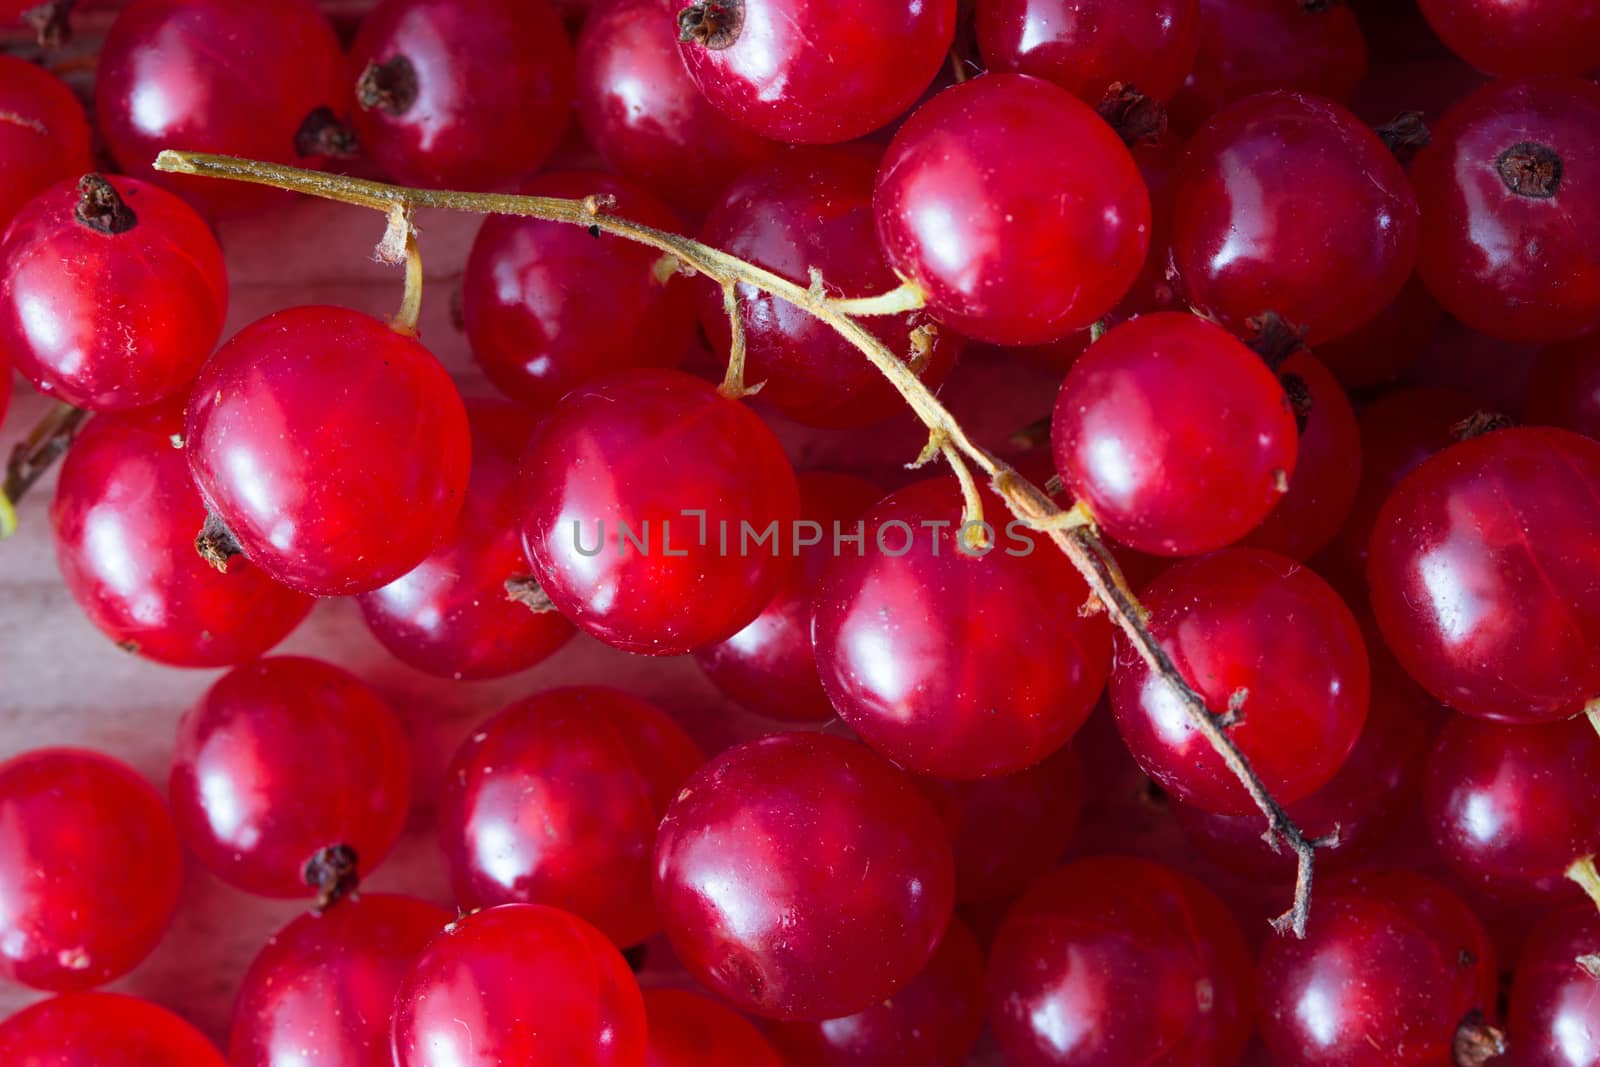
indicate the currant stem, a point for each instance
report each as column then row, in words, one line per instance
column 733, row 386
column 1584, row 872
column 1072, row 530
column 35, row 454
column 907, row 296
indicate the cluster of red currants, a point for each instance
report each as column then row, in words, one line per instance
column 1385, row 592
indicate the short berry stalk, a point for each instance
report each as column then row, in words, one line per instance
column 34, row 455
column 1071, row 529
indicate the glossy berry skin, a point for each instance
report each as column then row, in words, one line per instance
column 1388, row 343
column 769, row 666
column 932, row 1021
column 49, row 145
column 534, row 984
column 110, row 321
column 1006, row 252
column 949, row 662
column 327, row 981
column 1286, row 203
column 1485, row 576
column 1256, row 46
column 1086, row 47
column 89, row 869
column 1511, row 806
column 1113, row 961
column 628, row 456
column 335, row 449
column 450, row 615
column 281, row 759
column 103, row 1030
column 548, row 307
column 1520, row 37
column 815, row 72
column 805, row 210
column 1175, row 435
column 1327, row 469
column 644, row 114
column 233, row 77
column 556, row 801
column 467, row 94
column 124, row 517
column 800, row 876
column 690, row 1030
column 1517, row 265
column 1248, row 620
column 1564, row 387
column 1391, row 965
column 1554, row 1012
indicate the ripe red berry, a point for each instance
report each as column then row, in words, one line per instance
column 281, row 763
column 333, row 448
column 1086, row 47
column 639, row 488
column 47, row 142
column 1509, row 222
column 802, row 877
column 1015, row 207
column 1176, row 436
column 689, row 1030
column 769, row 666
column 548, row 307
column 814, row 72
column 1113, row 961
column 327, row 982
column 461, row 94
column 556, row 801
column 260, row 79
column 810, row 210
column 101, row 1030
column 89, row 870
column 1387, row 344
column 1259, row 635
column 1555, row 1015
column 124, row 516
column 1564, row 387
column 1521, row 37
column 532, row 984
column 954, row 662
column 112, row 293
column 1485, row 574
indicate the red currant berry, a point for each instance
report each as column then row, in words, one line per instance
column 802, row 877
column 1555, row 1015
column 645, row 115
column 1523, row 37
column 1510, row 222
column 1327, row 470
column 461, row 94
column 1112, row 961
column 810, row 210
column 689, row 1030
column 1255, row 46
column 89, row 869
column 519, row 984
column 951, row 661
column 450, row 616
column 1014, row 237
column 112, row 293
column 333, row 448
column 102, row 1030
column 1388, row 343
column 1392, row 967
column 280, row 764
column 327, row 982
column 548, row 307
column 1485, row 574
column 1564, row 387
column 1265, row 639
column 644, row 494
column 932, row 1021
column 124, row 516
column 1086, row 47
column 47, row 140
column 769, row 666
column 1176, row 436
column 556, row 801
column 811, row 72
column 260, row 79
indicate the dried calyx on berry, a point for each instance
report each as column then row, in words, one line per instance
column 323, row 135
column 1137, row 118
column 390, row 86
column 1405, row 135
column 332, row 873
column 1274, row 339
column 714, row 24
column 1530, row 169
column 101, row 208
column 216, row 543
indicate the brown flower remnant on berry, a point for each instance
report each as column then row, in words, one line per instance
column 714, row 24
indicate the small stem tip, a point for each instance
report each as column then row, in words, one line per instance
column 390, row 86
column 1583, row 871
column 332, row 873
column 101, row 208
column 714, row 24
